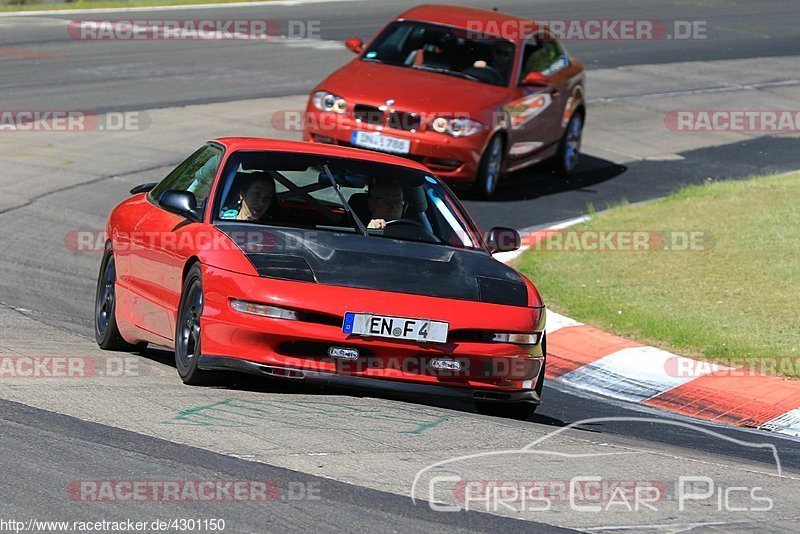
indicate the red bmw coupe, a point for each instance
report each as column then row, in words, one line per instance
column 472, row 94
column 320, row 263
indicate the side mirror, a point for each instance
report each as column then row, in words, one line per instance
column 181, row 203
column 501, row 239
column 354, row 44
column 535, row 78
column 143, row 188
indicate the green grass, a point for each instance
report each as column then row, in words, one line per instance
column 736, row 299
column 107, row 4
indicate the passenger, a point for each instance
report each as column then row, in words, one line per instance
column 385, row 202
column 256, row 194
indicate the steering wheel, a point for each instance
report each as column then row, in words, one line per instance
column 485, row 74
column 416, row 225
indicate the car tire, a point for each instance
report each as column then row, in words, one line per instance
column 187, row 330
column 508, row 410
column 489, row 169
column 106, row 331
column 565, row 162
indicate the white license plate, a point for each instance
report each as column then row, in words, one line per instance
column 367, row 324
column 381, row 142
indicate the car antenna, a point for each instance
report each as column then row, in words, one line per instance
column 359, row 224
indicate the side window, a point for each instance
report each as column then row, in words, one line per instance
column 195, row 174
column 543, row 55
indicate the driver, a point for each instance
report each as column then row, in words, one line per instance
column 502, row 60
column 256, row 192
column 385, row 202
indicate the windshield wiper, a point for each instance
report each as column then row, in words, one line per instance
column 348, row 209
column 440, row 70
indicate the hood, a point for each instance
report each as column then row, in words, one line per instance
column 364, row 82
column 382, row 264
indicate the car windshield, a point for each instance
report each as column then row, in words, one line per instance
column 373, row 199
column 446, row 50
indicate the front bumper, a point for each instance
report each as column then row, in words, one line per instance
column 217, row 363
column 452, row 159
column 258, row 344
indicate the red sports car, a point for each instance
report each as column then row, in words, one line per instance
column 472, row 94
column 320, row 263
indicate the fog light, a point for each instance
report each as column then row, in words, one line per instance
column 446, row 365
column 264, row 310
column 343, row 353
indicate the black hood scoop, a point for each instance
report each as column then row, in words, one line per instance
column 349, row 260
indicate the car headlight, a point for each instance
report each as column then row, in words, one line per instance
column 264, row 310
column 518, row 339
column 325, row 101
column 456, row 127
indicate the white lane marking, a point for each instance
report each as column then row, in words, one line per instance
column 34, row 21
column 556, row 321
column 742, row 32
column 316, row 44
column 569, row 222
column 634, row 374
column 666, row 527
column 507, row 257
column 279, row 3
column 732, row 88
column 787, row 423
column 787, row 173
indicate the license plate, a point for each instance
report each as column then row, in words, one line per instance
column 381, row 142
column 367, row 324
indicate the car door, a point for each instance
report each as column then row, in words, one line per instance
column 536, row 111
column 164, row 242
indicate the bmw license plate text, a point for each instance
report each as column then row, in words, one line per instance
column 381, row 142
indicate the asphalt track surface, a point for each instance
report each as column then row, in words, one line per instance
column 119, row 76
column 38, row 481
column 44, row 449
